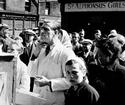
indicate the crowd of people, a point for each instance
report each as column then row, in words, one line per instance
column 66, row 68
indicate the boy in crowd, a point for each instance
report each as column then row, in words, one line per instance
column 81, row 92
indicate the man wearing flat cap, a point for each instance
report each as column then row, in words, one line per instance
column 28, row 43
column 29, row 48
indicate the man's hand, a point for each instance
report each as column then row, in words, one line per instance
column 42, row 81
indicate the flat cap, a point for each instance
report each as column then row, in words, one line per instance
column 30, row 32
column 3, row 25
column 87, row 42
column 27, row 32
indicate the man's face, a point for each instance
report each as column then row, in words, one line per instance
column 46, row 35
column 89, row 46
column 81, row 36
column 29, row 38
column 37, row 32
column 74, row 74
column 75, row 38
column 97, row 36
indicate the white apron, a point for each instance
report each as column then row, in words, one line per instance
column 52, row 67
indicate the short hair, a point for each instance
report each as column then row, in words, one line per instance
column 52, row 24
column 80, row 62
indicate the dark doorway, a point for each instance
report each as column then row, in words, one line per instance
column 90, row 21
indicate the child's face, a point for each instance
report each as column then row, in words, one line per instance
column 74, row 74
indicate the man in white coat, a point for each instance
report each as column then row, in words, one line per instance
column 50, row 67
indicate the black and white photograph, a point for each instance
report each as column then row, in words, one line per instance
column 62, row 52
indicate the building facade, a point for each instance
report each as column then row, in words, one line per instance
column 93, row 14
column 18, row 14
column 49, row 10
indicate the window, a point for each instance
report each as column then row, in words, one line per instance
column 2, row 4
column 28, row 5
column 47, row 8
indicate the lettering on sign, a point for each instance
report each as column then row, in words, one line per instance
column 95, row 6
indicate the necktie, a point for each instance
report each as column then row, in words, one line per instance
column 47, row 50
column 28, row 48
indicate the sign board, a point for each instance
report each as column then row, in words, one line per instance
column 95, row 6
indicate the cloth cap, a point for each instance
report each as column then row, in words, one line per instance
column 113, row 32
column 87, row 42
column 30, row 32
column 3, row 25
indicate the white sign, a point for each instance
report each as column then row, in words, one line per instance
column 95, row 6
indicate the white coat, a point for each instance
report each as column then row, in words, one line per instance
column 52, row 67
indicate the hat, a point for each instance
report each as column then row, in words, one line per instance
column 87, row 42
column 30, row 32
column 3, row 25
column 113, row 33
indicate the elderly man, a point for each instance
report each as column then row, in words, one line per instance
column 50, row 67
